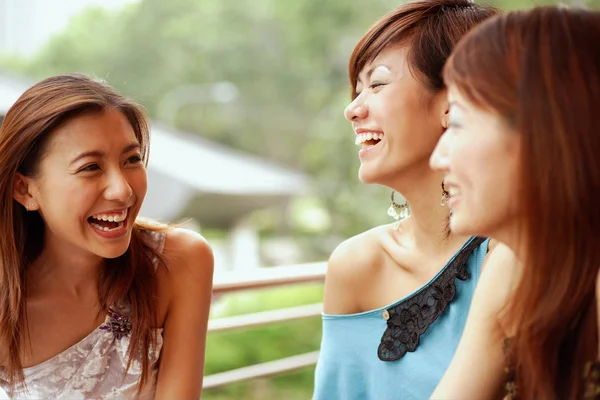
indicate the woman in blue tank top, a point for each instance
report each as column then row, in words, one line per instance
column 397, row 296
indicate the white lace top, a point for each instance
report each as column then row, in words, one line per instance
column 93, row 368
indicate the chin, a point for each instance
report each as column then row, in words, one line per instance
column 115, row 250
column 369, row 176
column 468, row 223
column 363, row 176
column 460, row 224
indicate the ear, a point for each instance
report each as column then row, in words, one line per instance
column 22, row 192
column 445, row 117
column 444, row 110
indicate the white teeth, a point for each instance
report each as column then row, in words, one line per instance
column 105, row 229
column 363, row 137
column 111, row 218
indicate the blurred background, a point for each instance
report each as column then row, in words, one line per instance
column 249, row 147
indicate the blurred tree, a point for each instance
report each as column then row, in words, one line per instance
column 288, row 61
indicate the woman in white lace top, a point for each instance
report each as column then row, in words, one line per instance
column 94, row 303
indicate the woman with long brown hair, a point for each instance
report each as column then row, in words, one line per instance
column 397, row 296
column 521, row 162
column 94, row 303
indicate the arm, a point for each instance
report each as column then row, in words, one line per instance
column 190, row 272
column 337, row 297
column 348, row 271
column 477, row 368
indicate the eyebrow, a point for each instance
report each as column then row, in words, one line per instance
column 371, row 70
column 97, row 153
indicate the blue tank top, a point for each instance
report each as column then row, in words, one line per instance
column 400, row 351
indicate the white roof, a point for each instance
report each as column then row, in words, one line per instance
column 213, row 168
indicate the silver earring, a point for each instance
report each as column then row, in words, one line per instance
column 398, row 211
column 445, row 196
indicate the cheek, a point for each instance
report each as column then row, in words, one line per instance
column 508, row 185
column 66, row 190
column 412, row 123
column 465, row 161
column 493, row 185
column 396, row 106
column 484, row 180
column 138, row 180
column 67, row 200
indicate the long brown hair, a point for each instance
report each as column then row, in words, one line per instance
column 23, row 139
column 540, row 71
column 430, row 27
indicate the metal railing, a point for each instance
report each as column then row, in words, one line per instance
column 261, row 278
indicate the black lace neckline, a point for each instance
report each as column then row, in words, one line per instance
column 407, row 321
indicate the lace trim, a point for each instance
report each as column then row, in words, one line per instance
column 407, row 321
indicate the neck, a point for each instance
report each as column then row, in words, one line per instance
column 428, row 218
column 510, row 236
column 72, row 271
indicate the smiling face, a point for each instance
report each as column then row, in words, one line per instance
column 89, row 186
column 479, row 154
column 396, row 119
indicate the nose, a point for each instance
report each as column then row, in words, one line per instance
column 356, row 110
column 439, row 159
column 118, row 188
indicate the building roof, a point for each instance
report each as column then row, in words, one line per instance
column 213, row 168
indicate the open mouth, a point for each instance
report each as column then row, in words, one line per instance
column 368, row 139
column 110, row 222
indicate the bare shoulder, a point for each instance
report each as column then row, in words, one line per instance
column 188, row 256
column 349, row 267
column 499, row 277
column 501, row 262
column 357, row 255
column 181, row 243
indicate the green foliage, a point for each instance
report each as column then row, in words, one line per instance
column 294, row 386
column 229, row 350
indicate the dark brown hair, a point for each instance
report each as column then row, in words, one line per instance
column 540, row 71
column 23, row 138
column 430, row 27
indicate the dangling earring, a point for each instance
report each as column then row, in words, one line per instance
column 445, row 196
column 398, row 211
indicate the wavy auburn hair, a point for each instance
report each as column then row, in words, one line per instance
column 23, row 140
column 540, row 71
